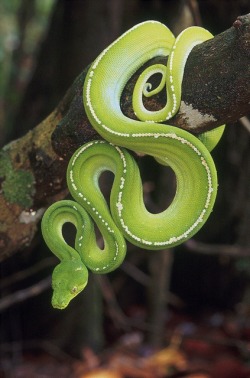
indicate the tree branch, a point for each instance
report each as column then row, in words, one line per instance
column 216, row 90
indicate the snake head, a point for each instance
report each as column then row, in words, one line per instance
column 69, row 278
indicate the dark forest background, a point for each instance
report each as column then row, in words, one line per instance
column 44, row 45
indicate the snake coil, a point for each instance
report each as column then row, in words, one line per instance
column 127, row 218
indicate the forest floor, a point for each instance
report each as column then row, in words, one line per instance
column 215, row 346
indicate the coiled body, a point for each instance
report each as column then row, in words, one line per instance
column 127, row 218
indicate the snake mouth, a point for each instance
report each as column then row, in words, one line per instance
column 59, row 303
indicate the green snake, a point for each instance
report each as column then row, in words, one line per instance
column 126, row 218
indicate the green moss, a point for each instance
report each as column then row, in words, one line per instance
column 5, row 164
column 17, row 185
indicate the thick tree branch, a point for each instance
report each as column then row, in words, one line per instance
column 216, row 90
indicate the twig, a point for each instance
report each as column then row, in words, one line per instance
column 134, row 272
column 39, row 344
column 245, row 122
column 218, row 249
column 115, row 311
column 22, row 295
column 23, row 274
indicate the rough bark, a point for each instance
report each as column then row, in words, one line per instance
column 216, row 90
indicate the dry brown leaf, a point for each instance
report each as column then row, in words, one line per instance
column 102, row 373
column 166, row 358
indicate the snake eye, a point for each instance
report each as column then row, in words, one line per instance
column 74, row 290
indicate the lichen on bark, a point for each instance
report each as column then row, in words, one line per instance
column 17, row 184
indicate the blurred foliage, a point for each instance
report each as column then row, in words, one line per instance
column 23, row 25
